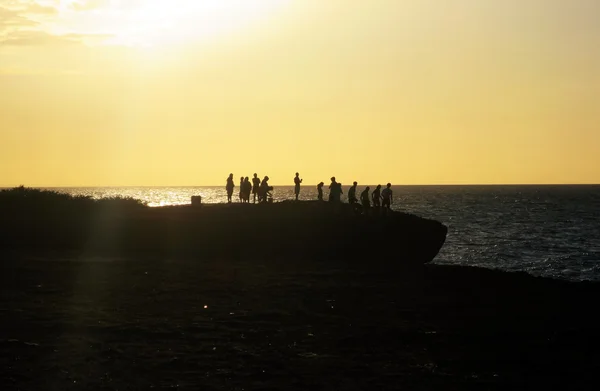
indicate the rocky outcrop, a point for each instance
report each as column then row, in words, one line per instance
column 273, row 230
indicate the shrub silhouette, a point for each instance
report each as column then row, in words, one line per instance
column 26, row 200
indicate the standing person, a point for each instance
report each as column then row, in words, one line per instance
column 255, row 186
column 386, row 195
column 333, row 189
column 365, row 201
column 247, row 189
column 297, row 182
column 241, row 193
column 320, row 191
column 352, row 194
column 376, row 196
column 339, row 192
column 229, row 187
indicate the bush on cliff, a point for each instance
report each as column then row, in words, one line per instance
column 24, row 199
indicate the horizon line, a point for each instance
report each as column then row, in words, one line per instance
column 304, row 185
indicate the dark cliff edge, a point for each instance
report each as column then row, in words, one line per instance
column 40, row 220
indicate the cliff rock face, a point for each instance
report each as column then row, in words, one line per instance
column 275, row 230
column 300, row 229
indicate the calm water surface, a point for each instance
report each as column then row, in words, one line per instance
column 544, row 230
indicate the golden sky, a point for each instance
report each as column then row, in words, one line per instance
column 183, row 92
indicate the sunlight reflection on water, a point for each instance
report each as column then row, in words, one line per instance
column 164, row 196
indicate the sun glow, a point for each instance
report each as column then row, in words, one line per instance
column 149, row 23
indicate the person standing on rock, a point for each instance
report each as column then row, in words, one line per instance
column 352, row 194
column 247, row 190
column 365, row 200
column 229, row 187
column 297, row 182
column 332, row 186
column 335, row 190
column 320, row 191
column 386, row 195
column 376, row 197
column 241, row 193
column 255, row 186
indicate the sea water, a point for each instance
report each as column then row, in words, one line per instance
column 549, row 230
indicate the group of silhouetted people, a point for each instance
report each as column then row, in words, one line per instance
column 261, row 191
column 258, row 189
column 378, row 197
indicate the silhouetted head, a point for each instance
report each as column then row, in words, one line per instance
column 378, row 187
column 241, row 178
column 321, row 183
column 255, row 175
column 246, row 179
column 230, row 175
column 355, row 183
column 368, row 188
column 297, row 174
column 332, row 179
column 389, row 185
column 266, row 178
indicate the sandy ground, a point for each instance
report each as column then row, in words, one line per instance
column 77, row 322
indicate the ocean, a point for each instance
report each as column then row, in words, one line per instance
column 549, row 230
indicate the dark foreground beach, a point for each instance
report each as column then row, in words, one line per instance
column 81, row 322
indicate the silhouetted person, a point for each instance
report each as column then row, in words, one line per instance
column 352, row 194
column 376, row 196
column 386, row 196
column 264, row 190
column 320, row 191
column 255, row 186
column 241, row 193
column 365, row 200
column 297, row 182
column 247, row 190
column 335, row 190
column 229, row 187
column 332, row 189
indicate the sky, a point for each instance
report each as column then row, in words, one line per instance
column 184, row 92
